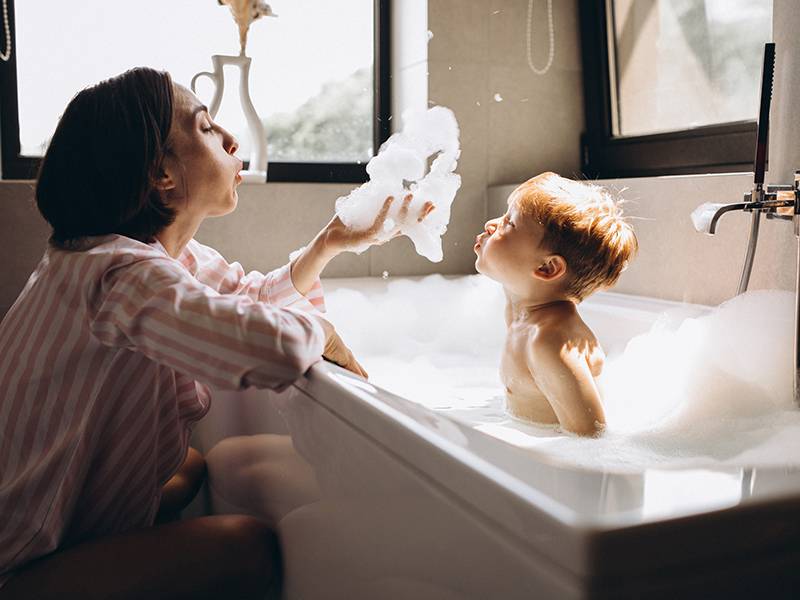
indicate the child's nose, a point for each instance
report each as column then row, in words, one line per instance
column 490, row 226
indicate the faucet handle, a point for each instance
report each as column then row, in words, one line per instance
column 787, row 196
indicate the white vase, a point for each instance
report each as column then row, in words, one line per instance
column 257, row 169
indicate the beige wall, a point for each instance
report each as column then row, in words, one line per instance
column 24, row 236
column 478, row 50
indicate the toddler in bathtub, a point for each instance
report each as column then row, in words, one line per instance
column 558, row 242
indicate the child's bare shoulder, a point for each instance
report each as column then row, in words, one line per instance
column 549, row 339
column 566, row 334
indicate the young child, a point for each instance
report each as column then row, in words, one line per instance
column 559, row 241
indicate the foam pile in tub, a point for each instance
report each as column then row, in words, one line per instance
column 400, row 167
column 706, row 390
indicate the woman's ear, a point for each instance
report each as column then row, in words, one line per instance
column 166, row 178
column 553, row 267
column 163, row 180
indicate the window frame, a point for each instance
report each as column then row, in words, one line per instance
column 723, row 148
column 16, row 166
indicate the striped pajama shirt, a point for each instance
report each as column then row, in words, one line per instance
column 105, row 362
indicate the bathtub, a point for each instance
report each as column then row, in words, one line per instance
column 378, row 496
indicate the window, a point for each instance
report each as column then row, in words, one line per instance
column 319, row 78
column 671, row 86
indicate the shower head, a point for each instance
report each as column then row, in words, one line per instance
column 767, row 73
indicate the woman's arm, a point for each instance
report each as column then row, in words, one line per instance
column 156, row 308
column 210, row 268
column 336, row 238
column 275, row 288
column 307, row 267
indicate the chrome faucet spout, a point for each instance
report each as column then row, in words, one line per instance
column 712, row 226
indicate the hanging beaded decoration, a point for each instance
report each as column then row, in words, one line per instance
column 552, row 52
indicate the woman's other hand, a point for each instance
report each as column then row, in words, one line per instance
column 337, row 352
column 340, row 238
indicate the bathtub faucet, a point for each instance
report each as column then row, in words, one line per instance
column 780, row 202
column 777, row 202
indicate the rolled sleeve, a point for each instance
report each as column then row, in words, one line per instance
column 280, row 291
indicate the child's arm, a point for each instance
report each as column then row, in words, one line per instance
column 561, row 372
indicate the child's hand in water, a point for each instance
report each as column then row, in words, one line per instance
column 339, row 238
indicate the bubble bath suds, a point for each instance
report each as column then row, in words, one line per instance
column 700, row 391
column 400, row 167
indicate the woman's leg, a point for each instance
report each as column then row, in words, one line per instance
column 226, row 556
column 182, row 487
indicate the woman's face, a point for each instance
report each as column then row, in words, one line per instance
column 201, row 171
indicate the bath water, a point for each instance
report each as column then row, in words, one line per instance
column 687, row 391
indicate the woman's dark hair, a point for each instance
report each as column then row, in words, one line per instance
column 97, row 176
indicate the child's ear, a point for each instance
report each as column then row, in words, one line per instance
column 553, row 267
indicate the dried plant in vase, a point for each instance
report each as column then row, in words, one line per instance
column 245, row 12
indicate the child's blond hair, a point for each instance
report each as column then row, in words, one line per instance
column 584, row 225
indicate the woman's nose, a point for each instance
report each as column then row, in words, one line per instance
column 230, row 143
column 233, row 146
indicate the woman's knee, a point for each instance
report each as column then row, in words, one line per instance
column 194, row 462
column 182, row 487
column 254, row 547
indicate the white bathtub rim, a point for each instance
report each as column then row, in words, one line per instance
column 536, row 520
column 378, row 408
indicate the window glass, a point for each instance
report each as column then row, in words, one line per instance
column 310, row 79
column 678, row 64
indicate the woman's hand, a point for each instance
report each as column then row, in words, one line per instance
column 336, row 351
column 339, row 238
column 336, row 238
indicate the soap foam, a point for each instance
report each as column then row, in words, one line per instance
column 401, row 167
column 692, row 391
column 702, row 215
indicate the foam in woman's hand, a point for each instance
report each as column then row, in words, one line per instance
column 400, row 168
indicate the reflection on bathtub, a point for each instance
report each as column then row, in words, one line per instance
column 683, row 385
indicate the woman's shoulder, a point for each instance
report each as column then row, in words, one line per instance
column 113, row 247
column 202, row 252
column 103, row 254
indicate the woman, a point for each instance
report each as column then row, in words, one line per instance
column 105, row 355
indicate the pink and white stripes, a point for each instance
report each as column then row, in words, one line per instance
column 104, row 359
